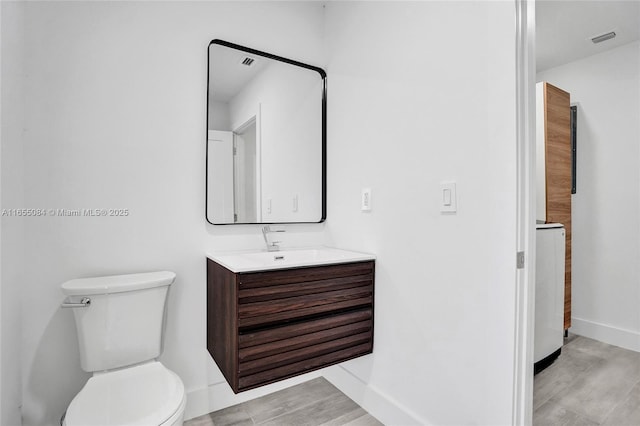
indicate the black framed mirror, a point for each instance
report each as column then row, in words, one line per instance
column 266, row 138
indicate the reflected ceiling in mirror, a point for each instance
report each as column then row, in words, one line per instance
column 266, row 138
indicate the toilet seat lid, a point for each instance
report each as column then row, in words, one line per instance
column 147, row 394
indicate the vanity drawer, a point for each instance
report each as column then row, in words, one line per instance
column 293, row 349
column 292, row 369
column 272, row 341
column 270, row 297
column 302, row 275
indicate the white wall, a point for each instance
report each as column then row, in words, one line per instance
column 606, row 207
column 11, row 190
column 115, row 117
column 1, row 369
column 1, row 204
column 219, row 116
column 420, row 93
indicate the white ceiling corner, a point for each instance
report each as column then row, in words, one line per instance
column 564, row 28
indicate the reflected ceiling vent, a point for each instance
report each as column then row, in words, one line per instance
column 603, row 37
column 247, row 61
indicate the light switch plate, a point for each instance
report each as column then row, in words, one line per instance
column 366, row 200
column 448, row 199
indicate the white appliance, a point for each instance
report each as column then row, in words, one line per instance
column 120, row 321
column 549, row 311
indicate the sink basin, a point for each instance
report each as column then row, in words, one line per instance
column 263, row 260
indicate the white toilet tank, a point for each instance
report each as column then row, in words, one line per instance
column 123, row 322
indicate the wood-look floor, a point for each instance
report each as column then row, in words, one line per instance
column 313, row 403
column 591, row 383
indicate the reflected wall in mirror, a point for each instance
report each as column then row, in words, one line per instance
column 266, row 138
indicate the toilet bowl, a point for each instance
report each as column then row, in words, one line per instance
column 120, row 322
column 148, row 394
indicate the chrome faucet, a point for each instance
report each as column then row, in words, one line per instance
column 273, row 246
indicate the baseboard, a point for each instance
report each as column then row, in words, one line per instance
column 377, row 403
column 219, row 395
column 616, row 336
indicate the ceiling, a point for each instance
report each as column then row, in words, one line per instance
column 564, row 28
column 227, row 75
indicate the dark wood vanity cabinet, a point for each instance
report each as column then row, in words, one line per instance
column 270, row 325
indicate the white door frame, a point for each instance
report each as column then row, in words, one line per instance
column 239, row 170
column 526, row 204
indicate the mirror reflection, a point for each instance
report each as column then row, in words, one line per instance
column 265, row 139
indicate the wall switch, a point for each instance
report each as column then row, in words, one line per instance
column 446, row 197
column 448, row 201
column 269, row 206
column 295, row 203
column 366, row 200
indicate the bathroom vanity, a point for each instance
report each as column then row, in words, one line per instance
column 274, row 315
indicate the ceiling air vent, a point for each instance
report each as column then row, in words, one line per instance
column 603, row 37
column 247, row 61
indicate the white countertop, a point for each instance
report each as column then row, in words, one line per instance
column 253, row 261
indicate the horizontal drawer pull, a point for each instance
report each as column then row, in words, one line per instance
column 261, row 337
column 294, row 314
column 300, row 302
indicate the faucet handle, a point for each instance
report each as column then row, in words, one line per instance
column 273, row 246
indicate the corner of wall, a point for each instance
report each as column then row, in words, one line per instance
column 11, row 253
column 1, row 205
column 377, row 403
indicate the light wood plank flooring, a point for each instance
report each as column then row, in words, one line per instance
column 591, row 383
column 313, row 403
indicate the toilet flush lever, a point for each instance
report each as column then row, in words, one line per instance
column 85, row 302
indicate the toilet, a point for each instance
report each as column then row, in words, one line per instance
column 120, row 324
